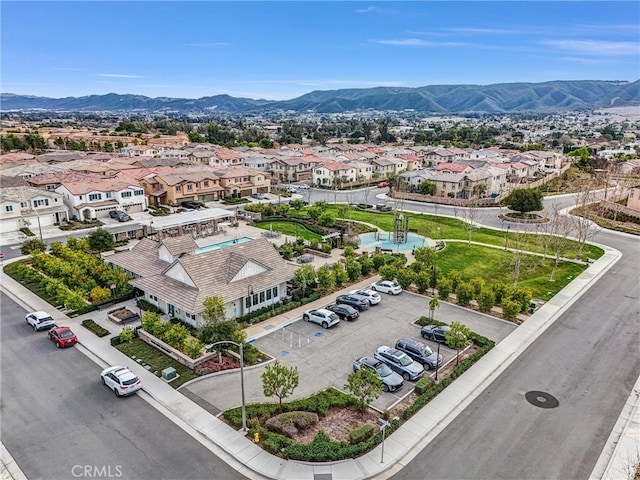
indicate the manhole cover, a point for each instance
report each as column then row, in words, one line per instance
column 541, row 399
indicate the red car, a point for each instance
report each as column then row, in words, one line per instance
column 383, row 185
column 62, row 337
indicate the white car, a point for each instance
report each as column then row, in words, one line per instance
column 303, row 186
column 40, row 320
column 321, row 316
column 120, row 380
column 387, row 286
column 373, row 297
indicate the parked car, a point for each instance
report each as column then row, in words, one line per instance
column 400, row 362
column 387, row 286
column 119, row 215
column 383, row 185
column 63, row 337
column 190, row 204
column 303, row 186
column 120, row 380
column 321, row 316
column 115, row 213
column 419, row 352
column 345, row 312
column 257, row 196
column 391, row 381
column 356, row 301
column 291, row 189
column 40, row 320
column 373, row 297
column 435, row 333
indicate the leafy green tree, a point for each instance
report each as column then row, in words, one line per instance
column 175, row 335
column 314, row 212
column 434, row 304
column 458, row 338
column 33, row 245
column 510, row 309
column 101, row 240
column 354, row 269
column 349, row 251
column 444, row 288
column 327, row 219
column 455, row 277
column 388, row 272
column 215, row 310
column 427, row 188
column 486, row 300
column 305, row 277
column 366, row 263
column 404, row 277
column 464, row 294
column 326, row 280
column 523, row 297
column 126, row 334
column 222, row 331
column 339, row 274
column 365, row 385
column 287, row 251
column 193, row 347
column 280, row 381
column 499, row 291
column 424, row 255
column 524, row 200
column 478, row 284
column 297, row 204
column 421, row 279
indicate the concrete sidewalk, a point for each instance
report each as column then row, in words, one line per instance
column 400, row 447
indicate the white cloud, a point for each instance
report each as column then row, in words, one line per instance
column 368, row 10
column 117, row 75
column 595, row 47
column 207, row 45
column 417, row 42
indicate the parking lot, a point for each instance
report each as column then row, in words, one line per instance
column 324, row 357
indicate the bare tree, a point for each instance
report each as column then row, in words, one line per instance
column 584, row 228
column 470, row 217
column 564, row 226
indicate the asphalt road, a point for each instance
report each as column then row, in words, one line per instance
column 588, row 360
column 58, row 418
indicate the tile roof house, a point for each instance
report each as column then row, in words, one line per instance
column 30, row 207
column 334, row 173
column 177, row 279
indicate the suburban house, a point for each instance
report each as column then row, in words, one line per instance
column 242, row 181
column 177, row 276
column 30, row 207
column 334, row 174
column 95, row 199
column 384, row 167
column 189, row 185
column 295, row 169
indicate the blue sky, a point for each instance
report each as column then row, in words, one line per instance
column 280, row 50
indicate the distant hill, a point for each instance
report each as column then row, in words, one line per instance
column 556, row 96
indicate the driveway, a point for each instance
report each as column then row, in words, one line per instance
column 324, row 357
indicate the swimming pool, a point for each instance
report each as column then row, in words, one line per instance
column 228, row 243
column 370, row 241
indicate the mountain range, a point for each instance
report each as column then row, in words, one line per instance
column 546, row 97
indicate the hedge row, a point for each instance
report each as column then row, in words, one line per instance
column 95, row 328
column 264, row 313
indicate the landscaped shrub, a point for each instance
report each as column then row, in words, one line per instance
column 148, row 307
column 127, row 334
column 405, row 277
column 354, row 269
column 422, row 385
column 486, row 300
column 523, row 297
column 455, row 277
column 510, row 309
column 290, row 423
column 477, row 284
column 95, row 328
column 444, row 288
column 500, row 291
column 193, row 347
column 464, row 293
column 361, row 433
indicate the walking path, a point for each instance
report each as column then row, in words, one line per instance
column 400, row 447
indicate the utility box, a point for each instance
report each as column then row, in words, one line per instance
column 169, row 374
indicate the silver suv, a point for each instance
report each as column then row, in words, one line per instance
column 419, row 352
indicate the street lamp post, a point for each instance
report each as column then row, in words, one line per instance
column 506, row 237
column 249, row 301
column 383, row 426
column 436, row 380
column 244, row 408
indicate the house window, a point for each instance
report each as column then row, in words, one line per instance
column 51, row 187
column 275, row 292
column 206, row 183
column 24, row 204
column 153, row 297
column 247, row 302
column 138, row 192
column 41, row 203
column 255, row 298
column 95, row 196
column 126, row 194
column 189, row 188
column 269, row 294
column 261, row 297
column 8, row 208
column 178, row 188
column 109, row 194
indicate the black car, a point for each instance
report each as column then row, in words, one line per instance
column 435, row 333
column 188, row 204
column 356, row 301
column 345, row 312
column 115, row 213
column 119, row 215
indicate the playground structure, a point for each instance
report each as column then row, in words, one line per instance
column 400, row 229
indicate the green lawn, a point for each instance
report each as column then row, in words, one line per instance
column 156, row 359
column 496, row 265
column 290, row 228
column 443, row 228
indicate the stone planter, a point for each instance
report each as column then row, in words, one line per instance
column 122, row 315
